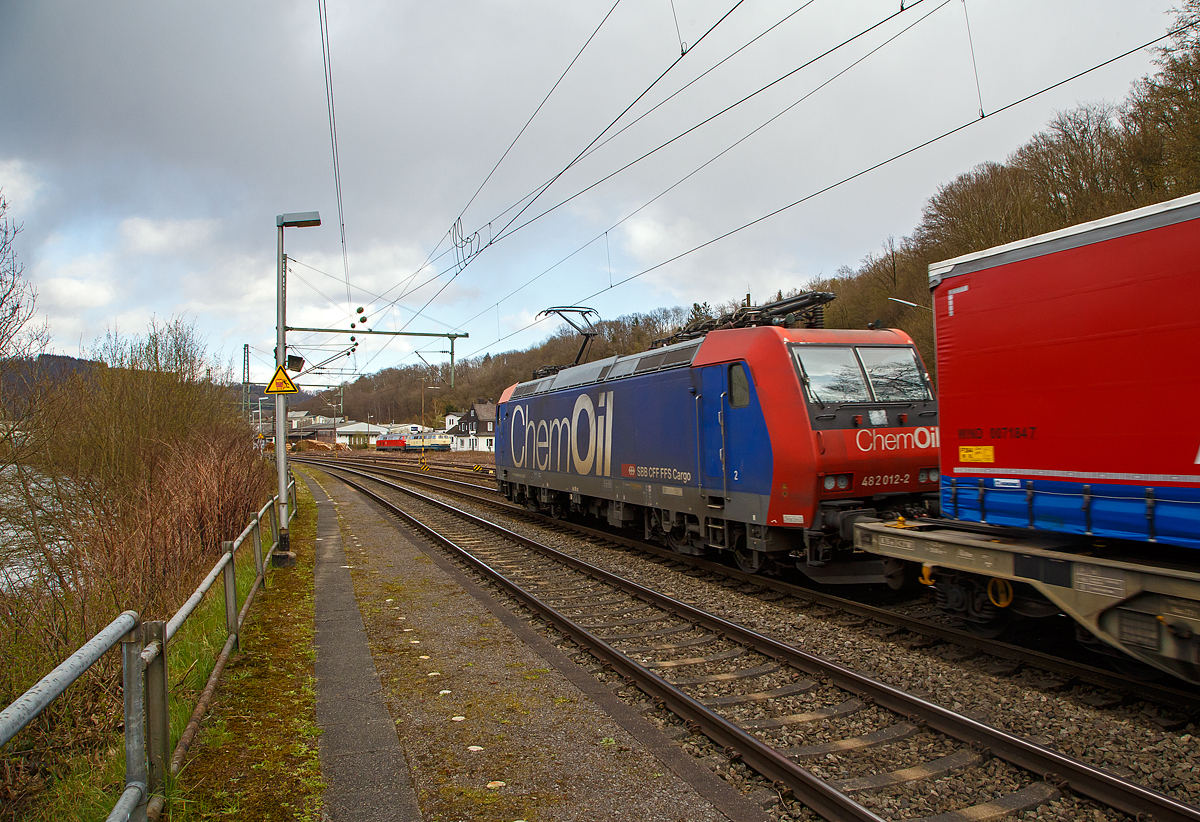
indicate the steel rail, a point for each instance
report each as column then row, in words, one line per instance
column 813, row 792
column 1096, row 783
column 1074, row 670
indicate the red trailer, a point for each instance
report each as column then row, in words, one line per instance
column 1070, row 437
column 1069, row 391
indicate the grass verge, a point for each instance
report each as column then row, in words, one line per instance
column 85, row 780
column 256, row 755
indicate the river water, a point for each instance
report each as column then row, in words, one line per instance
column 19, row 550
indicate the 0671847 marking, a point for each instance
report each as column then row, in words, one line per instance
column 885, row 479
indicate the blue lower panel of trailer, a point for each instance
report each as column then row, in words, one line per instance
column 1167, row 514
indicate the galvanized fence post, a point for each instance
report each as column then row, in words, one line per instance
column 136, row 772
column 258, row 554
column 158, row 715
column 273, row 513
column 231, row 605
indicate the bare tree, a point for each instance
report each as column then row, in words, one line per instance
column 21, row 341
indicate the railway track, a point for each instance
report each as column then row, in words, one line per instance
column 769, row 705
column 909, row 619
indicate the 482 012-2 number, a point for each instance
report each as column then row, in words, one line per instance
column 885, row 479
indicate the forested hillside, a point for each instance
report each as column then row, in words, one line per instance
column 1098, row 159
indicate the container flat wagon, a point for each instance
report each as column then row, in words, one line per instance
column 1070, row 441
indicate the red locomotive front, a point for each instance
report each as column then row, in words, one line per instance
column 853, row 432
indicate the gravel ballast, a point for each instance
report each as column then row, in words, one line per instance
column 489, row 728
column 1132, row 740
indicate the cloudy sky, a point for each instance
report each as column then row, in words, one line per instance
column 147, row 148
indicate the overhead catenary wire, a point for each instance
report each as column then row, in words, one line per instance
column 541, row 189
column 893, row 158
column 506, row 232
column 618, row 118
column 717, row 156
column 974, row 64
column 511, row 145
column 678, row 34
column 724, row 151
column 375, row 309
column 326, row 56
column 540, row 105
column 434, row 256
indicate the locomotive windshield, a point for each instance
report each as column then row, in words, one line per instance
column 894, row 374
column 844, row 373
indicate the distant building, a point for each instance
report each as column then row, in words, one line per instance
column 359, row 434
column 476, row 429
column 407, row 428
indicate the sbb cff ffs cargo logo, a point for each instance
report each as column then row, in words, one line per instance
column 579, row 444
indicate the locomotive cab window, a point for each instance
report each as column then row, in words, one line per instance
column 846, row 374
column 739, row 386
column 832, row 374
column 894, row 374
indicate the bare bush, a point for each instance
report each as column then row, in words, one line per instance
column 143, row 468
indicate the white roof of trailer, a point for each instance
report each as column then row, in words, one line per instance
column 1170, row 212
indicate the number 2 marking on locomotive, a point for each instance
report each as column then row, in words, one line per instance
column 735, row 476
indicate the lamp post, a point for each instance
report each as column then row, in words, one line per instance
column 302, row 219
column 258, row 429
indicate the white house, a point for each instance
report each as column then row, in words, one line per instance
column 359, row 434
column 476, row 429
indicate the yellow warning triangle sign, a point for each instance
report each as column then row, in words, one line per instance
column 281, row 383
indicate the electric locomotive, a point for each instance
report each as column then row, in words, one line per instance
column 757, row 436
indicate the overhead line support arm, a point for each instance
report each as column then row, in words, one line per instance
column 450, row 337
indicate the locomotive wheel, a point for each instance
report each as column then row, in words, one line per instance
column 677, row 540
column 748, row 560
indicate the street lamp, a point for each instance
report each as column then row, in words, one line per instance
column 914, row 305
column 258, row 429
column 303, row 219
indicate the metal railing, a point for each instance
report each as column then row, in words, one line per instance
column 149, row 761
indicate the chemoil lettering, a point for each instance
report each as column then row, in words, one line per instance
column 877, row 440
column 580, row 443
